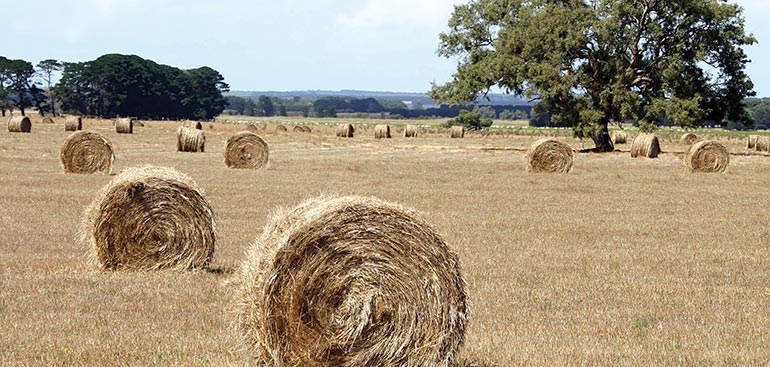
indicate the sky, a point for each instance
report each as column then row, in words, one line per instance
column 277, row 45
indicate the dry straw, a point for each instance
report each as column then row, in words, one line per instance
column 351, row 281
column 73, row 123
column 298, row 129
column 281, row 129
column 150, row 218
column 189, row 139
column 618, row 137
column 19, row 124
column 124, row 126
column 457, row 132
column 307, row 129
column 688, row 138
column 246, row 150
column 762, row 144
column 751, row 141
column 382, row 132
column 48, row 120
column 138, row 123
column 410, row 131
column 549, row 156
column 345, row 131
column 707, row 156
column 193, row 125
column 645, row 145
column 86, row 152
column 252, row 128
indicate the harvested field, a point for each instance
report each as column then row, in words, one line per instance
column 622, row 262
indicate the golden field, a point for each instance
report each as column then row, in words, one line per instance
column 622, row 262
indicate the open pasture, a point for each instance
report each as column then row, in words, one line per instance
column 622, row 262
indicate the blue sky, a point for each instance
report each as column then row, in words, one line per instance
column 275, row 45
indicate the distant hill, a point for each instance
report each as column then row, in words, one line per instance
column 418, row 98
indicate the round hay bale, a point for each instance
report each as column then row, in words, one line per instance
column 246, row 150
column 549, row 156
column 281, row 129
column 150, row 218
column 252, row 128
column 351, row 281
column 124, row 126
column 688, row 138
column 751, row 141
column 193, row 124
column 189, row 139
column 19, row 124
column 762, row 144
column 86, row 152
column 707, row 156
column 645, row 145
column 48, row 120
column 382, row 132
column 457, row 132
column 307, row 129
column 618, row 137
column 298, row 129
column 73, row 123
column 410, row 131
column 138, row 123
column 345, row 131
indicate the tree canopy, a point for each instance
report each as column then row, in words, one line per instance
column 595, row 62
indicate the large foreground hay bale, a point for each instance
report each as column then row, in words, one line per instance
column 19, row 124
column 382, row 132
column 73, row 123
column 351, row 281
column 410, row 131
column 707, row 156
column 281, row 129
column 688, row 138
column 124, row 126
column 150, row 218
column 86, row 152
column 645, row 145
column 457, row 132
column 751, row 141
column 246, row 150
column 618, row 137
column 189, row 139
column 549, row 156
column 48, row 120
column 345, row 131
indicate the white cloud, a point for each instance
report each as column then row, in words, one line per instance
column 399, row 13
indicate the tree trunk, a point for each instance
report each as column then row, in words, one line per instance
column 602, row 141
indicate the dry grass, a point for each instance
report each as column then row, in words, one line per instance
column 623, row 262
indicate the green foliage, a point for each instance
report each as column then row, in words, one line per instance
column 471, row 120
column 265, row 106
column 602, row 61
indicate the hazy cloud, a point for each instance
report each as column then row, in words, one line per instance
column 399, row 13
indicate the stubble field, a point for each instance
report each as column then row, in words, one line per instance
column 623, row 262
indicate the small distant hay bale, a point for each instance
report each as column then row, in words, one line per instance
column 618, row 137
column 762, row 144
column 345, row 131
column 138, row 123
column 189, row 139
column 298, row 129
column 252, row 128
column 19, row 124
column 688, row 138
column 48, row 120
column 124, row 126
column 86, row 152
column 246, row 150
column 306, row 129
column 549, row 156
column 751, row 141
column 351, row 281
column 645, row 145
column 150, row 218
column 457, row 132
column 382, row 132
column 193, row 124
column 410, row 131
column 281, row 129
column 73, row 123
column 707, row 156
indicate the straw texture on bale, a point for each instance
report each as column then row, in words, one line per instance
column 252, row 128
column 150, row 218
column 549, row 156
column 618, row 137
column 281, row 128
column 751, row 141
column 48, row 120
column 457, row 132
column 19, row 124
column 645, row 145
column 138, row 123
column 246, row 150
column 351, row 281
column 124, row 126
column 707, row 156
column 382, row 132
column 193, row 125
column 298, row 129
column 410, row 131
column 307, row 129
column 762, row 144
column 688, row 138
column 345, row 131
column 189, row 139
column 73, row 123
column 86, row 152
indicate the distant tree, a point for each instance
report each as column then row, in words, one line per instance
column 487, row 112
column 249, row 107
column 265, row 106
column 46, row 70
column 761, row 114
column 20, row 75
column 5, row 81
column 471, row 120
column 282, row 110
column 236, row 104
